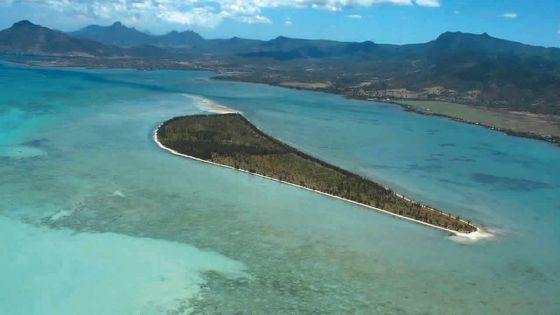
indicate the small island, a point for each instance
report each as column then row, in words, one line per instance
column 230, row 140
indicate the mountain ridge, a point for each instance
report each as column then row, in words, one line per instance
column 25, row 37
column 456, row 67
column 121, row 35
column 286, row 48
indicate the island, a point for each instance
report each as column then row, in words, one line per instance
column 230, row 140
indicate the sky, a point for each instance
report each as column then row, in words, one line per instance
column 534, row 22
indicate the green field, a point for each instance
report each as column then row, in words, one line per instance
column 232, row 140
column 521, row 122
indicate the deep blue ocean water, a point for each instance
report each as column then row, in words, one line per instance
column 95, row 218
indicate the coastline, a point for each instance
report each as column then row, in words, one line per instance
column 509, row 132
column 219, row 76
column 554, row 140
column 475, row 236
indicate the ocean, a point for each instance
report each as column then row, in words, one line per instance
column 96, row 219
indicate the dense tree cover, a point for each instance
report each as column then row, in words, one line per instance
column 232, row 140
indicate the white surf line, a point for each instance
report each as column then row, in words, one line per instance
column 473, row 236
column 208, row 105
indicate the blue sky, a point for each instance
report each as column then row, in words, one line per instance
column 383, row 21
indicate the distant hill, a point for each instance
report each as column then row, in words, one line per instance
column 457, row 67
column 116, row 34
column 98, row 40
column 284, row 48
column 185, row 39
column 449, row 43
column 458, row 42
column 281, row 48
column 27, row 38
column 120, row 35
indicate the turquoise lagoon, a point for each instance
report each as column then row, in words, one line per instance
column 96, row 219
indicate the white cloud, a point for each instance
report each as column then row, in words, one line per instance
column 354, row 16
column 195, row 16
column 510, row 15
column 288, row 21
column 201, row 13
column 257, row 19
column 456, row 12
column 428, row 3
column 558, row 31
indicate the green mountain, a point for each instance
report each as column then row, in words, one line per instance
column 447, row 44
column 457, row 42
column 458, row 67
column 281, row 48
column 116, row 34
column 120, row 35
column 465, row 68
column 26, row 38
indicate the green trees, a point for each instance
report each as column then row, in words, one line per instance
column 232, row 140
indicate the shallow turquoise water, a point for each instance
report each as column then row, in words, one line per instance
column 88, row 201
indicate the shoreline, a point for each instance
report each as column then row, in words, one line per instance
column 477, row 235
column 554, row 140
column 219, row 76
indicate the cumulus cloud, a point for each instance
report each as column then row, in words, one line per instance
column 195, row 16
column 202, row 13
column 510, row 15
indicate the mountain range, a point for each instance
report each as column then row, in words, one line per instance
column 120, row 35
column 26, row 38
column 469, row 68
column 291, row 48
column 117, row 39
